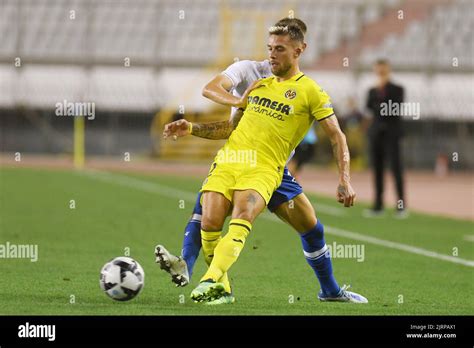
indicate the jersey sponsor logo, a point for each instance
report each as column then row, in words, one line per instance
column 268, row 103
column 260, row 110
column 290, row 94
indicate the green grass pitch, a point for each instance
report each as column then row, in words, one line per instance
column 118, row 211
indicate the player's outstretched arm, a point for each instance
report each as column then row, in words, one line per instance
column 217, row 130
column 222, row 130
column 212, row 130
column 345, row 192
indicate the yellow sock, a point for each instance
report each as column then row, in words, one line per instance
column 209, row 240
column 228, row 249
column 225, row 280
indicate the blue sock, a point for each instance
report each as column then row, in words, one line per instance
column 192, row 237
column 318, row 257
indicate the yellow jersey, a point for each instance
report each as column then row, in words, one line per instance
column 277, row 117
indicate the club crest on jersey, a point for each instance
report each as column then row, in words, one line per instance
column 290, row 94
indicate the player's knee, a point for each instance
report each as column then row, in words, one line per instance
column 210, row 223
column 298, row 216
column 243, row 214
column 308, row 222
column 304, row 224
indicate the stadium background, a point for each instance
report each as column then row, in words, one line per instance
column 143, row 63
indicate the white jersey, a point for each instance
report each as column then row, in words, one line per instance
column 243, row 73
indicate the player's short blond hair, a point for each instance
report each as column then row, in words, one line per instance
column 292, row 21
column 293, row 27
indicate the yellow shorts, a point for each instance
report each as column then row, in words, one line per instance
column 226, row 179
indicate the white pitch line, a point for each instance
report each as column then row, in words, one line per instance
column 469, row 237
column 327, row 209
column 143, row 185
column 176, row 193
column 399, row 246
column 170, row 192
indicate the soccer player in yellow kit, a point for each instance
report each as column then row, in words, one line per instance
column 280, row 110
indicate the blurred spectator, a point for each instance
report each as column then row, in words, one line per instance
column 353, row 118
column 352, row 123
column 303, row 153
column 385, row 133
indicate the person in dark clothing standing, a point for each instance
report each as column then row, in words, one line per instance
column 385, row 133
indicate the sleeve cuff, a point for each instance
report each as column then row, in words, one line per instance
column 326, row 117
column 231, row 77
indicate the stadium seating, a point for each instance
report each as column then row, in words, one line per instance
column 432, row 43
column 174, row 43
column 166, row 31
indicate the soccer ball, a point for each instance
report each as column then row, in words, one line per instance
column 122, row 278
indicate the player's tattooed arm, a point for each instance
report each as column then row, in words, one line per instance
column 217, row 130
column 345, row 193
column 212, row 130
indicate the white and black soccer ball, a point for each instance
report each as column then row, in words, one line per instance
column 122, row 278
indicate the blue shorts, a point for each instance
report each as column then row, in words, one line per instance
column 287, row 190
